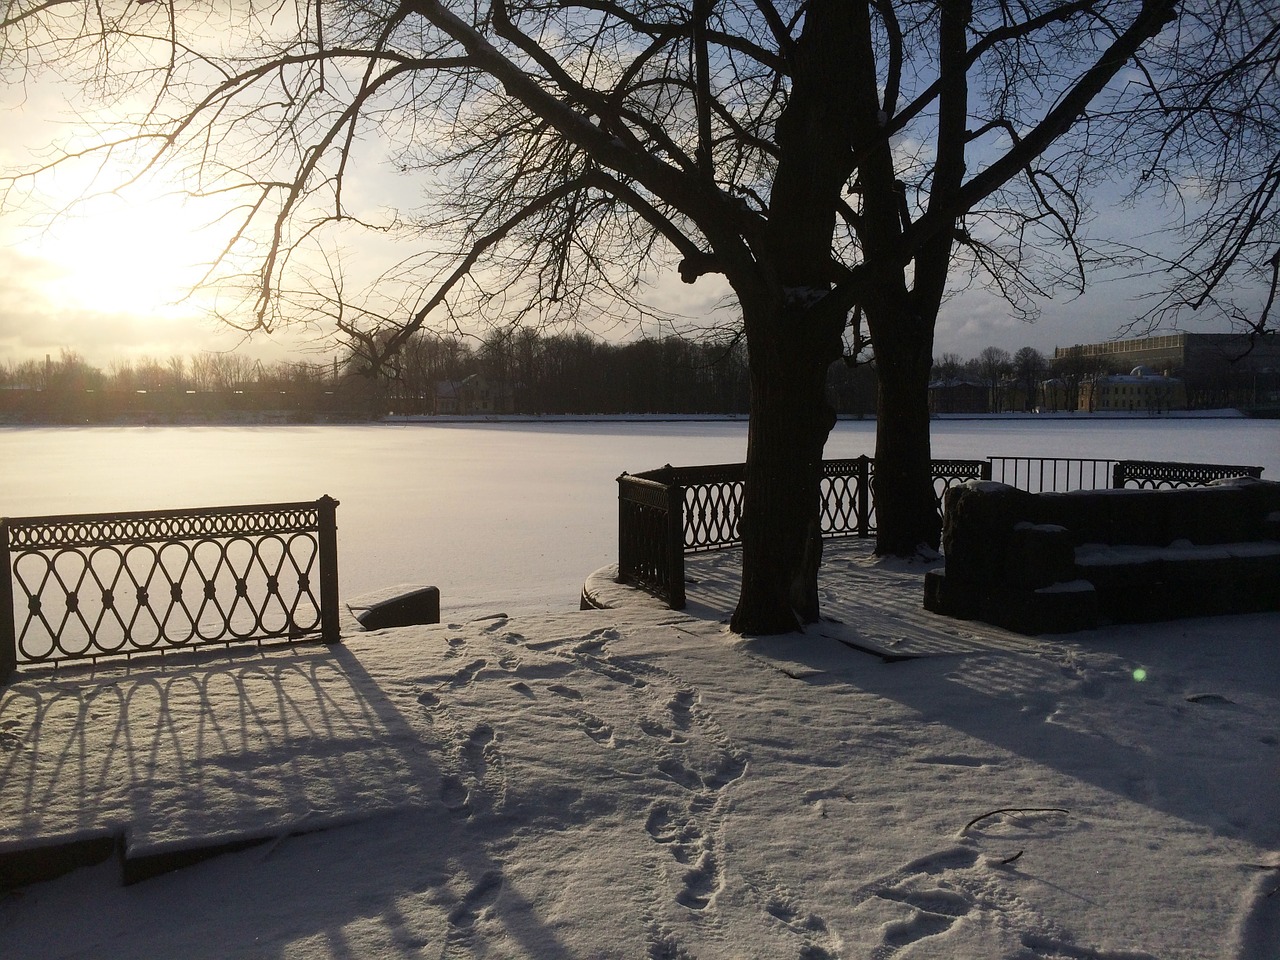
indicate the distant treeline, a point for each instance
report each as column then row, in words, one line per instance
column 532, row 373
column 525, row 373
column 207, row 386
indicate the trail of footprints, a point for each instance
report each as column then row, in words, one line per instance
column 700, row 763
column 692, row 754
column 472, row 781
column 955, row 884
column 784, row 909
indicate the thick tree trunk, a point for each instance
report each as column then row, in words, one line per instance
column 793, row 332
column 906, row 508
column 780, row 524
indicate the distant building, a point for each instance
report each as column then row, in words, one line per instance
column 473, row 395
column 1217, row 369
column 959, row 395
column 1140, row 391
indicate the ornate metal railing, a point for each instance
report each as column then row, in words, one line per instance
column 96, row 585
column 1151, row 475
column 651, row 536
column 664, row 514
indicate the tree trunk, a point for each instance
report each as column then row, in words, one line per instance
column 781, row 512
column 906, row 507
column 793, row 332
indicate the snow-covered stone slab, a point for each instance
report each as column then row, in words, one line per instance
column 406, row 605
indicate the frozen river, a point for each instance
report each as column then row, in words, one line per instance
column 502, row 517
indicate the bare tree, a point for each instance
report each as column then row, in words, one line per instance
column 949, row 367
column 1029, row 367
column 836, row 162
column 1203, row 136
column 1073, row 366
column 994, row 364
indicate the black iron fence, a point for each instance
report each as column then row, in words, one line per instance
column 1150, row 475
column 1041, row 474
column 664, row 514
column 95, row 585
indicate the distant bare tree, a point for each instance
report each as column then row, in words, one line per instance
column 949, row 367
column 832, row 160
column 211, row 371
column 1029, row 368
column 1073, row 367
column 994, row 364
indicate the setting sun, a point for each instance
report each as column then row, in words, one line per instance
column 111, row 255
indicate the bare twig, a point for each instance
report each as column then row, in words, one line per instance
column 995, row 813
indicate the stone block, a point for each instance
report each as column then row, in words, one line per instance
column 1057, row 608
column 418, row 606
column 1082, row 512
column 1199, row 581
column 1271, row 526
column 979, row 521
column 942, row 596
column 1206, row 515
column 1255, row 577
column 1261, row 506
column 1039, row 555
column 1139, row 517
column 1128, row 585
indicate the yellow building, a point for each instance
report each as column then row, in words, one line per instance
column 1140, row 391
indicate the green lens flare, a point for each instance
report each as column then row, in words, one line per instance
column 1139, row 674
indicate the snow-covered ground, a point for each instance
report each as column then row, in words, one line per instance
column 639, row 783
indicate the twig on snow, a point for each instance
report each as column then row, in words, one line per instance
column 992, row 813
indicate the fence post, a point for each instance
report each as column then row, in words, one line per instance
column 1117, row 475
column 675, row 546
column 625, row 562
column 863, row 495
column 8, row 636
column 327, row 535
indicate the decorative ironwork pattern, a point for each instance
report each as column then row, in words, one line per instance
column 88, row 530
column 848, row 506
column 951, row 473
column 712, row 505
column 96, row 585
column 1152, row 475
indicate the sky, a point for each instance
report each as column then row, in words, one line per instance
column 640, row 783
column 111, row 278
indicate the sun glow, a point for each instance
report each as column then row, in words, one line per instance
column 142, row 257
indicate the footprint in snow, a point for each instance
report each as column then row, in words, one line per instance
column 597, row 729
column 560, row 690
column 595, row 640
column 467, row 674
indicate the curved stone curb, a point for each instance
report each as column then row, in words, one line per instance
column 601, row 591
